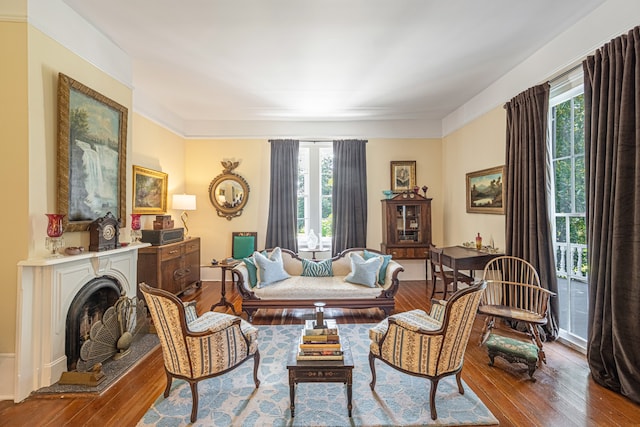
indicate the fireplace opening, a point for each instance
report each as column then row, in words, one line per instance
column 87, row 308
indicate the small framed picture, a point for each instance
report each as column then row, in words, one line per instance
column 403, row 176
column 149, row 191
column 485, row 191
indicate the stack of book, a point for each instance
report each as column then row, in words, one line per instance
column 320, row 343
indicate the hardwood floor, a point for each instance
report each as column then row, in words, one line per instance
column 563, row 395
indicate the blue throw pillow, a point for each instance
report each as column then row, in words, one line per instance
column 382, row 273
column 364, row 272
column 322, row 268
column 271, row 269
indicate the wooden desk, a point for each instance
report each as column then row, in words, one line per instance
column 460, row 258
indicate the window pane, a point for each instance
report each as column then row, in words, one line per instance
column 578, row 127
column 563, row 185
column 562, row 131
column 578, row 230
column 580, row 191
column 561, row 226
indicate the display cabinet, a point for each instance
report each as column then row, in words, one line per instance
column 406, row 226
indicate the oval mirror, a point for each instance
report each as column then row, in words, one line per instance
column 229, row 193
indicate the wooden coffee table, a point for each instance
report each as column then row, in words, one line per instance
column 320, row 371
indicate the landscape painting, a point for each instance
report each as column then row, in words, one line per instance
column 485, row 191
column 92, row 134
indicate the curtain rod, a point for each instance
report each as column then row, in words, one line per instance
column 565, row 73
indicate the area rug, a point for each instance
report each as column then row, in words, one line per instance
column 398, row 399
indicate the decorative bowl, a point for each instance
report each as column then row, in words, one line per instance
column 74, row 250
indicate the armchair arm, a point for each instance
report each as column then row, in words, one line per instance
column 437, row 309
column 217, row 349
column 190, row 312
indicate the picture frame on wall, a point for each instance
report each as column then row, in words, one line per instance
column 485, row 191
column 403, row 175
column 92, row 141
column 149, row 191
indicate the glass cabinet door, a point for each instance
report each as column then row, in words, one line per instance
column 408, row 221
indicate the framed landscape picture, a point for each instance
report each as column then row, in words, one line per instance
column 403, row 175
column 485, row 191
column 92, row 155
column 149, row 191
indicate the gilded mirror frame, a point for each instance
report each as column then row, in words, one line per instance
column 237, row 200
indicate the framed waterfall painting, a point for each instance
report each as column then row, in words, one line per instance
column 485, row 191
column 92, row 140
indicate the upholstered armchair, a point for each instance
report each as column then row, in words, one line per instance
column 195, row 347
column 428, row 345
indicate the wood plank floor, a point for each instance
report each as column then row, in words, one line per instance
column 563, row 395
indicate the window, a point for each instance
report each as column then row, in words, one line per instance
column 569, row 206
column 315, row 186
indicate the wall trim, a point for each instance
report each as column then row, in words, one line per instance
column 7, row 373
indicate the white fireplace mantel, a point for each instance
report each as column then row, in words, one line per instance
column 46, row 288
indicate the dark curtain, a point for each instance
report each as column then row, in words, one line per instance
column 349, row 195
column 612, row 157
column 283, row 195
column 528, row 228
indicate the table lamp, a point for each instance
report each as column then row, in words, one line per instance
column 184, row 202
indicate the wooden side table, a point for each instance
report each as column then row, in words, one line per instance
column 320, row 371
column 224, row 266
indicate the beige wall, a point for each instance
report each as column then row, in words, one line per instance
column 33, row 132
column 478, row 145
column 14, row 147
column 156, row 148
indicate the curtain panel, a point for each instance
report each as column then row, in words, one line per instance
column 612, row 169
column 528, row 227
column 349, row 195
column 283, row 195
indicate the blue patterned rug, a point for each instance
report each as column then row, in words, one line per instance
column 398, row 399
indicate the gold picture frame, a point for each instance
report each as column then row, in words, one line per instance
column 149, row 191
column 403, row 175
column 485, row 191
column 92, row 155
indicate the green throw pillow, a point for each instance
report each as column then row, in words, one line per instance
column 252, row 270
column 382, row 273
column 243, row 246
column 322, row 268
column 364, row 272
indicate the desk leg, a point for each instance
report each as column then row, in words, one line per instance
column 292, row 395
column 223, row 299
column 349, row 386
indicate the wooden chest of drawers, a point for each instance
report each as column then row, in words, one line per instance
column 174, row 267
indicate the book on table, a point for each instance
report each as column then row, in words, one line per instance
column 320, row 343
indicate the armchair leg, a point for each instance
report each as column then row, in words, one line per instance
column 169, row 381
column 372, row 366
column 432, row 399
column 536, row 337
column 459, row 381
column 194, row 400
column 256, row 365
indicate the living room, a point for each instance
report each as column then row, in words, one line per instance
column 36, row 49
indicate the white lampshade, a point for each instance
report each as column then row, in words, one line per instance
column 184, row 202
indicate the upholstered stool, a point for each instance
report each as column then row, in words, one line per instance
column 513, row 350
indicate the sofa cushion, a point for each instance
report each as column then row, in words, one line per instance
column 364, row 272
column 317, row 268
column 382, row 272
column 269, row 270
column 315, row 289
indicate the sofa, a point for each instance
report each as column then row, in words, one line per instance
column 339, row 282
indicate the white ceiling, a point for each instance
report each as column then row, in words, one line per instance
column 324, row 60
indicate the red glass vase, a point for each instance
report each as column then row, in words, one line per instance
column 135, row 221
column 54, row 227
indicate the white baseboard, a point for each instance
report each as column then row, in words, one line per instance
column 7, row 373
